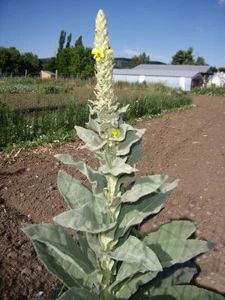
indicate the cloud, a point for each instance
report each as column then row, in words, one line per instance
column 221, row 2
column 132, row 52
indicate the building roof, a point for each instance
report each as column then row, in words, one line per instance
column 157, row 72
column 48, row 72
column 199, row 69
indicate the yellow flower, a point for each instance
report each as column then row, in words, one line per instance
column 98, row 54
column 116, row 133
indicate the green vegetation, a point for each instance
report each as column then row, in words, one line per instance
column 38, row 116
column 211, row 91
column 41, row 88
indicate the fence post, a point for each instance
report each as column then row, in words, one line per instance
column 26, row 73
column 56, row 74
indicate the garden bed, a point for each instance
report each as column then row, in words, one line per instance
column 187, row 144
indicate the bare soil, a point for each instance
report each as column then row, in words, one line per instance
column 188, row 144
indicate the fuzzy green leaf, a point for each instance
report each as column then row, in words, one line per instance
column 143, row 186
column 188, row 292
column 175, row 251
column 132, row 137
column 135, row 155
column 134, row 251
column 56, row 237
column 86, row 249
column 119, row 167
column 131, row 285
column 61, row 255
column 177, row 229
column 134, row 213
column 78, row 294
column 86, row 218
column 128, row 270
column 91, row 139
column 74, row 192
column 177, row 274
column 98, row 181
column 96, row 126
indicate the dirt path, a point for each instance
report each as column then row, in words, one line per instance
column 189, row 145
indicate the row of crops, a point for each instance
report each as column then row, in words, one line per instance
column 53, row 108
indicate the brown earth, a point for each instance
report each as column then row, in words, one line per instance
column 189, row 145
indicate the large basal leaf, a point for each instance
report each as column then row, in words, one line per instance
column 187, row 292
column 62, row 256
column 56, row 237
column 134, row 251
column 63, row 269
column 98, row 181
column 177, row 229
column 177, row 274
column 132, row 137
column 178, row 251
column 131, row 285
column 128, row 270
column 86, row 218
column 134, row 213
column 74, row 192
column 143, row 186
column 78, row 294
column 119, row 167
column 91, row 139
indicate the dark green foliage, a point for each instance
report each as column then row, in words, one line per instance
column 9, row 60
column 62, row 39
column 29, row 62
column 142, row 58
column 186, row 57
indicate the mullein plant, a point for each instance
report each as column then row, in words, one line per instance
column 108, row 257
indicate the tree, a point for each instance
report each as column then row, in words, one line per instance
column 200, row 61
column 82, row 62
column 29, row 62
column 64, row 61
column 79, row 42
column 51, row 64
column 62, row 39
column 183, row 57
column 137, row 60
column 9, row 60
column 69, row 38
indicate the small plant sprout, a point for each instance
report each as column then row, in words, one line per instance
column 107, row 257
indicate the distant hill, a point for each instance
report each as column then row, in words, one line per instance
column 123, row 63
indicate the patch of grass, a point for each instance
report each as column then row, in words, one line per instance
column 210, row 91
column 54, row 121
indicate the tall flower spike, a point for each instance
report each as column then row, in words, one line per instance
column 103, row 55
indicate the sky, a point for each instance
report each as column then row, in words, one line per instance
column 159, row 28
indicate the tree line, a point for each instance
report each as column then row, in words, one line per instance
column 77, row 60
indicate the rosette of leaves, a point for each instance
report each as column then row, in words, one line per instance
column 107, row 257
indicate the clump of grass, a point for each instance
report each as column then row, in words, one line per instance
column 210, row 91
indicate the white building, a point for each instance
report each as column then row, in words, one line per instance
column 177, row 76
column 218, row 79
